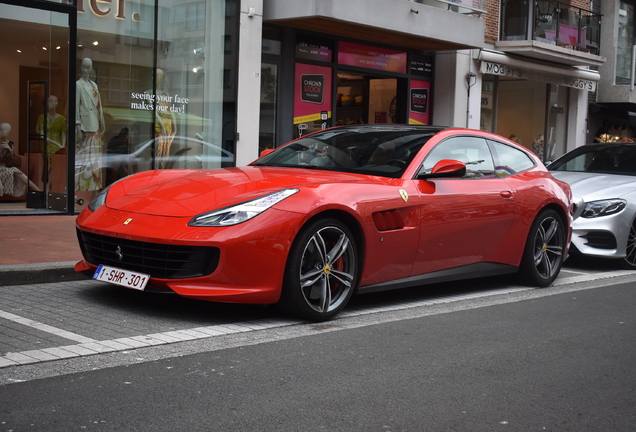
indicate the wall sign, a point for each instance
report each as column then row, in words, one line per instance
column 419, row 102
column 371, row 57
column 312, row 93
column 515, row 72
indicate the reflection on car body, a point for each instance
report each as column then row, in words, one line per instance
column 348, row 209
column 603, row 182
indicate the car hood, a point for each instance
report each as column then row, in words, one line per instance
column 182, row 193
column 593, row 186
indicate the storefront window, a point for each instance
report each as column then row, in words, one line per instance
column 158, row 103
column 625, row 42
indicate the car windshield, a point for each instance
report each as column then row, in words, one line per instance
column 603, row 159
column 375, row 150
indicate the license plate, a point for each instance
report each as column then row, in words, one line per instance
column 122, row 277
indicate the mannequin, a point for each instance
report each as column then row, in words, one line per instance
column 55, row 127
column 13, row 182
column 89, row 129
column 165, row 123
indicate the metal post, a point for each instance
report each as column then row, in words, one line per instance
column 633, row 67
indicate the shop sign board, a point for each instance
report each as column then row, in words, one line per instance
column 312, row 93
column 421, row 65
column 310, row 51
column 511, row 71
column 370, row 57
column 312, row 88
column 419, row 102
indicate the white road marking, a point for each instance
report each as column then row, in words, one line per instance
column 45, row 327
column 88, row 346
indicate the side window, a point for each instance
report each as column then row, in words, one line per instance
column 473, row 151
column 510, row 160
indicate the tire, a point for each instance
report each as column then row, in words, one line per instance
column 543, row 254
column 629, row 262
column 322, row 271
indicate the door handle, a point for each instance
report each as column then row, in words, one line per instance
column 506, row 194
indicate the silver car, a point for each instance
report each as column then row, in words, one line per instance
column 603, row 182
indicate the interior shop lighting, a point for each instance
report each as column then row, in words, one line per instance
column 44, row 48
column 95, row 43
column 198, row 51
column 197, row 69
column 19, row 51
column 58, row 47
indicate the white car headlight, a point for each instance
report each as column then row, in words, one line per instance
column 241, row 212
column 603, row 207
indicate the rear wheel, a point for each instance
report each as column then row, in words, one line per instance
column 629, row 262
column 321, row 272
column 543, row 254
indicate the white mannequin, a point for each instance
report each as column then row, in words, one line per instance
column 89, row 127
column 13, row 182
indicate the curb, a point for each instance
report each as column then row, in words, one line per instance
column 24, row 274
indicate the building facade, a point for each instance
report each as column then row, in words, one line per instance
column 161, row 84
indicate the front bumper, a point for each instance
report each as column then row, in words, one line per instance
column 244, row 263
column 604, row 236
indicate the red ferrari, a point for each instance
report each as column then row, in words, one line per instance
column 344, row 210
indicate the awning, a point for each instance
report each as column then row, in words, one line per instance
column 496, row 63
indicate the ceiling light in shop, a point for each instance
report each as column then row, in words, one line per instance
column 198, row 51
column 19, row 51
column 58, row 47
column 197, row 69
column 95, row 43
column 44, row 48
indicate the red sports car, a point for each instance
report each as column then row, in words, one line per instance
column 343, row 210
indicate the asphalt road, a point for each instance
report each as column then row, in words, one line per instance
column 559, row 359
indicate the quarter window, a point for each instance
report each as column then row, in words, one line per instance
column 510, row 160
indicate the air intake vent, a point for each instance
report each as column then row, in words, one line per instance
column 388, row 220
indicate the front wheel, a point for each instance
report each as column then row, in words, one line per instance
column 543, row 253
column 629, row 262
column 321, row 272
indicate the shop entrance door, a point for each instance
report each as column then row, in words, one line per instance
column 363, row 99
column 34, row 99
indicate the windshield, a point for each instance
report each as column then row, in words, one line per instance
column 374, row 151
column 604, row 159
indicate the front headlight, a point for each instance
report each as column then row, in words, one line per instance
column 603, row 207
column 240, row 212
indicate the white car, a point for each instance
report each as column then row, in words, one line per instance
column 603, row 182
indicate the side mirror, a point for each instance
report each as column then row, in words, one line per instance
column 446, row 168
column 266, row 152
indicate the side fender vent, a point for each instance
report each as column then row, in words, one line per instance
column 388, row 220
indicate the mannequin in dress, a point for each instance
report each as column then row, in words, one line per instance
column 89, row 129
column 55, row 128
column 165, row 123
column 13, row 182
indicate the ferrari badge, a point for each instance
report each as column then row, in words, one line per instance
column 404, row 195
column 129, row 220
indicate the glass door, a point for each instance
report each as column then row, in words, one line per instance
column 37, row 169
column 34, row 101
column 556, row 122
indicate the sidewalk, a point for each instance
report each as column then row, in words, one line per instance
column 38, row 249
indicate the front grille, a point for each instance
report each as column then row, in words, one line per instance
column 600, row 239
column 162, row 261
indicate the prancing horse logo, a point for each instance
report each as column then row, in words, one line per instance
column 119, row 253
